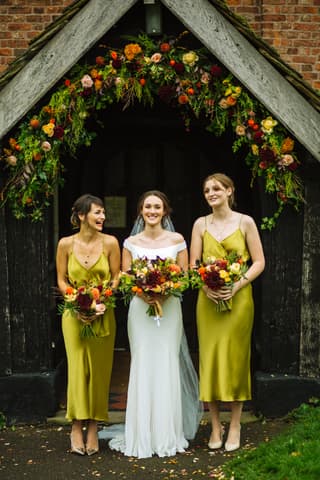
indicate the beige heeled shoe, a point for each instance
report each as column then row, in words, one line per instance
column 218, row 444
column 94, row 450
column 77, row 450
column 230, row 447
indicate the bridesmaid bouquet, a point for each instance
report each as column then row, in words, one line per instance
column 217, row 273
column 88, row 301
column 154, row 278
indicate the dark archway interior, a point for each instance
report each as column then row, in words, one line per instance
column 142, row 148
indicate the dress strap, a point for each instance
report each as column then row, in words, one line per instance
column 240, row 220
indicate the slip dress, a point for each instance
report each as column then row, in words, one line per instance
column 89, row 359
column 225, row 337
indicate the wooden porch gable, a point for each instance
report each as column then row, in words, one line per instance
column 215, row 32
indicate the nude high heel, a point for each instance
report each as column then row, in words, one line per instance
column 78, row 450
column 230, row 447
column 218, row 444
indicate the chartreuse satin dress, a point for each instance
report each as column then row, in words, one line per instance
column 225, row 337
column 89, row 359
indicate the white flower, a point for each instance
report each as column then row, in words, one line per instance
column 156, row 57
column 46, row 146
column 86, row 81
column 12, row 160
column 235, row 268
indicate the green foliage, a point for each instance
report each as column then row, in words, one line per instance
column 191, row 82
column 2, row 421
column 293, row 455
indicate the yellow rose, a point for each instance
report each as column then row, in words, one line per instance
column 48, row 129
column 255, row 149
column 190, row 58
column 268, row 124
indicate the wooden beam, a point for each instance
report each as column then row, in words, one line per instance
column 232, row 49
column 57, row 57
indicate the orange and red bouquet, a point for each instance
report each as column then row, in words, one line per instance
column 89, row 300
column 216, row 273
column 153, row 277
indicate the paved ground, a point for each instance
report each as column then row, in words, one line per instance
column 40, row 452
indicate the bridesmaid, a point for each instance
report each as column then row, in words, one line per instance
column 89, row 254
column 225, row 337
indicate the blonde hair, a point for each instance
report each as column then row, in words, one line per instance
column 226, row 181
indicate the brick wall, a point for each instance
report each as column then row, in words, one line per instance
column 292, row 27
column 22, row 20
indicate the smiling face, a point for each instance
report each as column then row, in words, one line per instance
column 152, row 210
column 95, row 217
column 216, row 194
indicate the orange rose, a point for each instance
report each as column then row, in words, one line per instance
column 95, row 293
column 34, row 123
column 108, row 292
column 69, row 290
column 165, row 47
column 100, row 60
column 182, row 99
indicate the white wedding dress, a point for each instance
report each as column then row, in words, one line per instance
column 162, row 403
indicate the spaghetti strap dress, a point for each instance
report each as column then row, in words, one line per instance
column 225, row 337
column 89, row 359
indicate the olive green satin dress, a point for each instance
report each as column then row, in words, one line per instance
column 89, row 359
column 225, row 337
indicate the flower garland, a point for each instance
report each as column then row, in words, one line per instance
column 145, row 70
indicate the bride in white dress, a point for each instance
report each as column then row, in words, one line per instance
column 162, row 403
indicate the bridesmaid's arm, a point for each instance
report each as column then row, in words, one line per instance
column 255, row 249
column 196, row 242
column 126, row 259
column 62, row 264
column 114, row 260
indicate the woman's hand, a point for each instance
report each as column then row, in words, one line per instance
column 153, row 298
column 86, row 318
column 223, row 293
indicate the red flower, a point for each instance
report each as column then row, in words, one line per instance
column 266, row 155
column 263, row 165
column 178, row 67
column 58, row 131
column 100, row 60
column 258, row 137
column 165, row 47
column 116, row 63
column 216, row 71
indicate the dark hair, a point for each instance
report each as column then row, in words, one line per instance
column 163, row 197
column 226, row 181
column 83, row 206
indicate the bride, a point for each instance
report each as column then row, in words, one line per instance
column 163, row 409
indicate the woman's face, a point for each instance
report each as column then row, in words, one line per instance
column 152, row 210
column 216, row 194
column 95, row 217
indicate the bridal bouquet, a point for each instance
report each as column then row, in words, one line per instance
column 89, row 300
column 154, row 278
column 217, row 273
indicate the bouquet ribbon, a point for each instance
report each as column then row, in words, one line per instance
column 158, row 312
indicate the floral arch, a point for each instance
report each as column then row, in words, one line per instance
column 189, row 80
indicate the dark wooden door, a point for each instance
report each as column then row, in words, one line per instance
column 142, row 149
